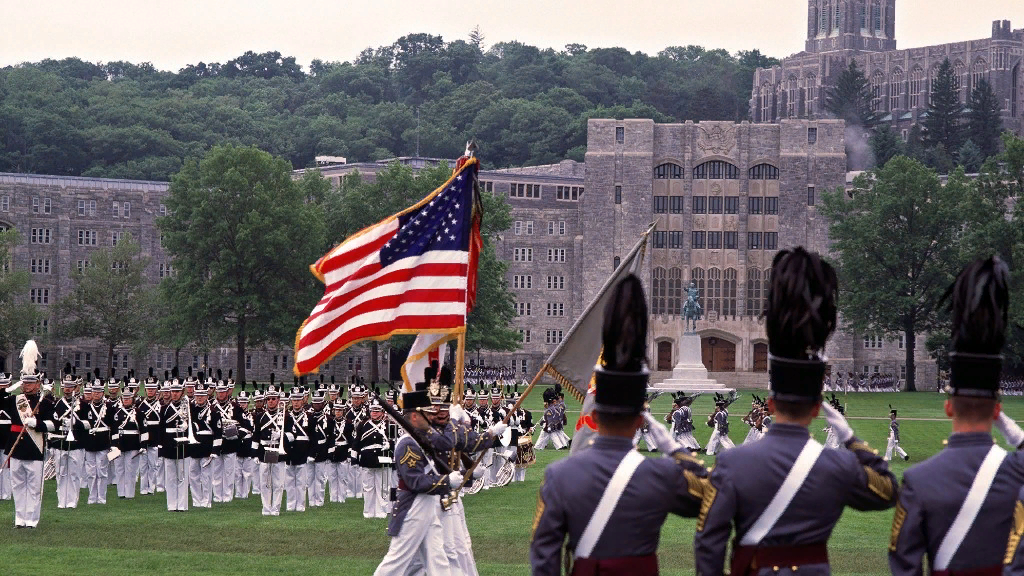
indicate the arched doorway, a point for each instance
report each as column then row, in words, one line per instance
column 719, row 355
column 760, row 357
column 664, row 355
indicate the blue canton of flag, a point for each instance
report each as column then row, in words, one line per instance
column 441, row 224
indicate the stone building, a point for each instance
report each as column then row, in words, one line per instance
column 864, row 31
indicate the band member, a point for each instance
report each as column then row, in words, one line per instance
column 150, row 474
column 176, row 434
column 319, row 470
column 371, row 442
column 68, row 450
column 502, row 453
column 357, row 414
column 957, row 507
column 129, row 433
column 784, row 494
column 31, row 420
column 245, row 463
column 521, row 424
column 341, row 473
column 270, row 431
column 259, row 403
column 225, row 464
column 95, row 421
column 298, row 429
column 894, row 438
column 620, row 535
column 415, row 527
column 207, row 432
column 5, row 430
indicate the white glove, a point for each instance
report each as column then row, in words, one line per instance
column 310, row 460
column 478, row 473
column 455, row 480
column 839, row 425
column 13, row 387
column 662, row 437
column 181, row 427
column 386, row 445
column 29, row 422
column 353, row 453
column 47, row 387
column 498, row 429
column 1009, row 429
column 289, row 437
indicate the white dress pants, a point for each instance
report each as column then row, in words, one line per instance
column 200, row 481
column 892, row 446
column 246, row 468
column 271, row 487
column 127, row 472
column 27, row 488
column 719, row 442
column 96, row 468
column 355, row 481
column 176, row 473
column 224, row 477
column 318, row 474
column 70, row 469
column 457, row 545
column 295, row 478
column 421, row 537
column 339, row 481
column 376, row 492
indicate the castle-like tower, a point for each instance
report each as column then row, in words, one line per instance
column 861, row 25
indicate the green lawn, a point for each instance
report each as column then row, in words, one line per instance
column 141, row 537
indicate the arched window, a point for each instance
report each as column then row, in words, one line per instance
column 716, row 170
column 697, row 277
column 766, row 282
column 810, row 87
column 754, row 292
column 876, row 90
column 763, row 172
column 714, row 295
column 766, row 102
column 876, row 14
column 658, row 291
column 1013, row 91
column 959, row 70
column 729, row 293
column 675, row 291
column 668, row 171
column 823, row 26
column 916, row 86
column 895, row 89
column 615, row 263
column 979, row 72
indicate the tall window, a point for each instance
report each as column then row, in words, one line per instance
column 754, row 292
column 675, row 291
column 810, row 85
column 661, row 204
column 766, row 103
column 729, row 292
column 618, row 194
column 837, row 19
column 916, row 86
column 863, row 18
column 823, row 23
column 697, row 277
column 716, row 170
column 876, row 90
column 699, row 239
column 959, row 70
column 792, row 86
column 895, row 89
column 659, row 291
column 714, row 290
column 668, row 171
column 979, row 72
column 876, row 15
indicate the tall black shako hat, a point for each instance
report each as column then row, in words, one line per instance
column 979, row 299
column 800, row 317
column 621, row 374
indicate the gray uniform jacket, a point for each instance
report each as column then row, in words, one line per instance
column 895, row 427
column 573, row 486
column 722, row 422
column 932, row 495
column 456, row 437
column 746, row 478
column 682, row 420
column 415, row 476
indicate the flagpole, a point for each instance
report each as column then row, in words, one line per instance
column 460, row 365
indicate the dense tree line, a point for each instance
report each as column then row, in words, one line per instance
column 420, row 94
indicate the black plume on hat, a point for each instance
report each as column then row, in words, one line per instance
column 979, row 301
column 621, row 376
column 800, row 317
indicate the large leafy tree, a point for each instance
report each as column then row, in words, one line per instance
column 984, row 123
column 18, row 317
column 898, row 243
column 111, row 299
column 942, row 126
column 242, row 234
column 850, row 98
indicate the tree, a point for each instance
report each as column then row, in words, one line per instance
column 984, row 122
column 898, row 245
column 18, row 317
column 970, row 157
column 850, row 98
column 886, row 144
column 942, row 126
column 242, row 235
column 476, row 38
column 111, row 299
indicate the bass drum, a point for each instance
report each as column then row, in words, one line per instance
column 525, row 457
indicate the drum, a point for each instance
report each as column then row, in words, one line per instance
column 524, row 452
column 230, row 430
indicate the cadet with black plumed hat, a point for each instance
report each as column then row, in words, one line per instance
column 784, row 494
column 605, row 504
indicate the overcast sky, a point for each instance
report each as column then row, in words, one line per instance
column 173, row 33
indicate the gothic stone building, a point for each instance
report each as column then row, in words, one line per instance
column 864, row 31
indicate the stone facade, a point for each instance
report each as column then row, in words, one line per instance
column 863, row 31
column 62, row 220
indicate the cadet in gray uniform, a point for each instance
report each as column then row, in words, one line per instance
column 682, row 422
column 720, row 422
column 894, row 437
column 957, row 507
column 784, row 494
column 606, row 499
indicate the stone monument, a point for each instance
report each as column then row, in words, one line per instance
column 689, row 374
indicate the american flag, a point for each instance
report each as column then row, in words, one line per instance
column 412, row 273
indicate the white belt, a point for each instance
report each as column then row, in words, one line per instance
column 171, row 430
column 129, row 432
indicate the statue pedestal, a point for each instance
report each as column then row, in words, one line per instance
column 690, row 375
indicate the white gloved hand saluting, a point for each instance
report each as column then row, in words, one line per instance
column 662, row 437
column 1010, row 430
column 839, row 425
column 455, row 480
column 498, row 429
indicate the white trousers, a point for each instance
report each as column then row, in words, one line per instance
column 27, row 487
column 155, row 471
column 295, row 479
column 355, row 481
column 224, row 477
column 96, row 468
column 753, row 436
column 893, row 445
column 561, row 437
column 647, row 438
column 338, row 481
column 200, row 481
column 496, row 463
column 245, row 470
column 687, row 440
column 5, row 477
column 719, row 442
column 457, row 545
column 176, row 473
column 422, row 537
column 318, row 474
column 376, row 492
column 70, row 469
column 271, row 487
column 555, row 438
column 127, row 472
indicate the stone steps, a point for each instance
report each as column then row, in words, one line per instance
column 741, row 380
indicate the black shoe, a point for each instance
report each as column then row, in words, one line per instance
column 906, row 458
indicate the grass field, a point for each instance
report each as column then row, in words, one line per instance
column 133, row 537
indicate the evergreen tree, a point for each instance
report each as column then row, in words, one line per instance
column 984, row 124
column 970, row 157
column 885, row 143
column 850, row 98
column 942, row 126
